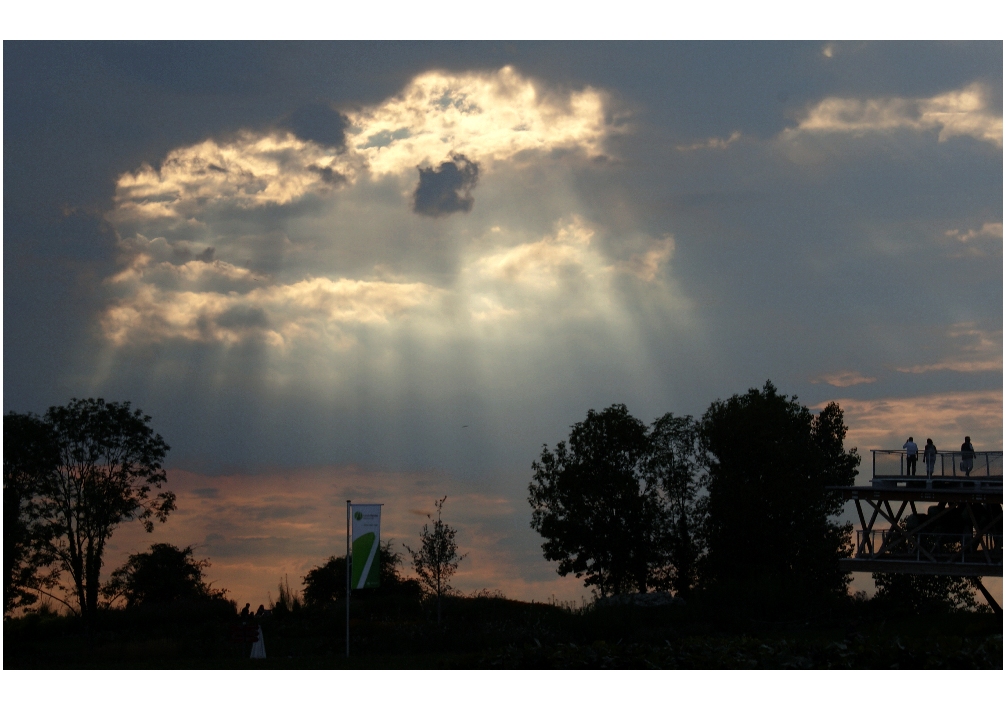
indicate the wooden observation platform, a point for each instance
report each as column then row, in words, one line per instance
column 947, row 522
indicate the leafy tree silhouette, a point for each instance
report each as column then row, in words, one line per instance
column 109, row 463
column 599, row 512
column 437, row 559
column 28, row 457
column 925, row 594
column 673, row 464
column 768, row 522
column 164, row 574
column 327, row 583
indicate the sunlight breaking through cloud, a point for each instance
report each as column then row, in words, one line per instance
column 486, row 116
column 249, row 239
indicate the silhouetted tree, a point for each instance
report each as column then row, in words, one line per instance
column 164, row 574
column 599, row 514
column 327, row 583
column 437, row 558
column 109, row 463
column 769, row 521
column 28, row 457
column 925, row 593
column 673, row 464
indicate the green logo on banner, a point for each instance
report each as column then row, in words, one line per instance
column 358, row 515
column 366, row 550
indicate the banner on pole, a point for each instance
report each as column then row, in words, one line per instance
column 366, row 546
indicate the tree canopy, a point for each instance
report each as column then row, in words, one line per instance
column 598, row 512
column 925, row 593
column 768, row 517
column 107, row 471
column 28, row 457
column 736, row 498
column 673, row 464
column 327, row 583
column 164, row 574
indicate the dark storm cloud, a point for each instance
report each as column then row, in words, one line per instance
column 446, row 189
column 320, row 123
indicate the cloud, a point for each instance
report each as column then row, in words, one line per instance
column 317, row 308
column 303, row 233
column 713, row 143
column 563, row 274
column 319, row 122
column 966, row 112
column 959, row 366
column 976, row 350
column 252, row 170
column 647, row 265
column 946, row 417
column 487, row 116
column 989, row 231
column 447, row 188
column 845, row 378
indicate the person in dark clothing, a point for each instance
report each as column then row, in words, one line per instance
column 929, row 456
column 967, row 456
column 246, row 612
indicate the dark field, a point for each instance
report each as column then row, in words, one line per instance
column 492, row 632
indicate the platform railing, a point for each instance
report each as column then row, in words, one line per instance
column 947, row 464
column 947, row 548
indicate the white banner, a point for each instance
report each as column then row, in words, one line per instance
column 366, row 546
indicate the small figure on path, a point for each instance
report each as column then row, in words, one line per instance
column 246, row 612
column 261, row 611
column 929, row 456
column 913, row 455
column 967, row 456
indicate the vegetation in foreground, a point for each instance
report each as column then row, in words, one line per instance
column 732, row 513
column 186, row 624
column 489, row 631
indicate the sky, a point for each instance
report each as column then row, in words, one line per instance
column 392, row 272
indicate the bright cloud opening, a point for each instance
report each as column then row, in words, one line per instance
column 221, row 245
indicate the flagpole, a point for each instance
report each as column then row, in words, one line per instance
column 348, row 573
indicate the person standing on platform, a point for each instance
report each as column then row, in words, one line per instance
column 913, row 455
column 929, row 456
column 967, row 456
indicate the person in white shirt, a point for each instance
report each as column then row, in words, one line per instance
column 913, row 455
